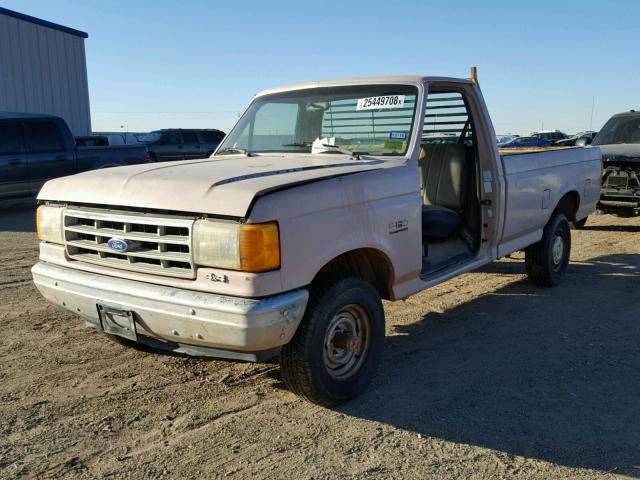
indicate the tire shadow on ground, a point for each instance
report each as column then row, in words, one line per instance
column 551, row 374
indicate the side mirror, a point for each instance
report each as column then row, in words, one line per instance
column 583, row 142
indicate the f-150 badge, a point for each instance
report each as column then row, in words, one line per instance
column 217, row 278
column 398, row 226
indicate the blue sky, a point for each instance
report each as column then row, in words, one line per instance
column 155, row 64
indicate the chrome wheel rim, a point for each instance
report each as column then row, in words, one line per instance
column 557, row 251
column 346, row 342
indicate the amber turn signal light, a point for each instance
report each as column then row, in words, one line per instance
column 259, row 247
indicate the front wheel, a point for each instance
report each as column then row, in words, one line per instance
column 546, row 261
column 337, row 347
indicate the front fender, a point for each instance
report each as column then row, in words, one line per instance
column 318, row 222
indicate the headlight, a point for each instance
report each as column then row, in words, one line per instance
column 245, row 247
column 49, row 224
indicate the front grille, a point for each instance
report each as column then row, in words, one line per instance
column 155, row 244
column 617, row 181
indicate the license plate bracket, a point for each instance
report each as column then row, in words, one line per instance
column 117, row 321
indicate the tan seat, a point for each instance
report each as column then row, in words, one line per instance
column 443, row 180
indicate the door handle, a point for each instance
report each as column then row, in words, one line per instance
column 197, row 146
column 179, row 146
column 61, row 158
column 15, row 161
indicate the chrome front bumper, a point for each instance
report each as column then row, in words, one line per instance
column 180, row 320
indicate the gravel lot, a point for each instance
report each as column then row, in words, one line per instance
column 485, row 376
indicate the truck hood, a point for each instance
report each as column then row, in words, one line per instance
column 623, row 152
column 217, row 186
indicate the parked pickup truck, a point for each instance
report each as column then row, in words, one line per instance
column 35, row 148
column 325, row 198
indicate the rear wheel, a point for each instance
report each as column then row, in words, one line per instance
column 337, row 348
column 546, row 261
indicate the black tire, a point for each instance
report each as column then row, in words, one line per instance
column 310, row 363
column 579, row 224
column 153, row 157
column 546, row 261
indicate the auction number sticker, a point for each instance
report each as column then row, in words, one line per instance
column 376, row 103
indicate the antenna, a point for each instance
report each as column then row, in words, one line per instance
column 474, row 75
column 593, row 102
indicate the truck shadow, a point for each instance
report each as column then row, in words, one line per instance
column 551, row 374
column 18, row 215
column 612, row 228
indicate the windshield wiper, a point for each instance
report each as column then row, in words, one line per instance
column 235, row 150
column 326, row 145
column 355, row 155
column 297, row 144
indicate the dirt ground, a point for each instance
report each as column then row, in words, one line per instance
column 485, row 376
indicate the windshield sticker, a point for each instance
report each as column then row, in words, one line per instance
column 397, row 135
column 383, row 102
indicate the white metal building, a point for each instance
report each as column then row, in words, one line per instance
column 43, row 69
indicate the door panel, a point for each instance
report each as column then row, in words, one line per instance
column 171, row 147
column 192, row 146
column 47, row 153
column 14, row 171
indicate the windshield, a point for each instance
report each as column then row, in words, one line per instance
column 367, row 120
column 151, row 137
column 619, row 130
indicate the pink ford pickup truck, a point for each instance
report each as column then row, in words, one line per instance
column 325, row 198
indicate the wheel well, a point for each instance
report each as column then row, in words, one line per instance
column 568, row 205
column 367, row 263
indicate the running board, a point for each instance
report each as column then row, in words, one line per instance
column 454, row 261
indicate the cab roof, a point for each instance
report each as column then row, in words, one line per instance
column 391, row 79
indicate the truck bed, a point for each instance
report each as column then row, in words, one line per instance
column 536, row 180
column 515, row 150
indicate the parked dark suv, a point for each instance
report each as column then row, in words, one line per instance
column 619, row 141
column 550, row 135
column 182, row 144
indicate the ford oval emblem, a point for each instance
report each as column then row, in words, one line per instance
column 118, row 244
